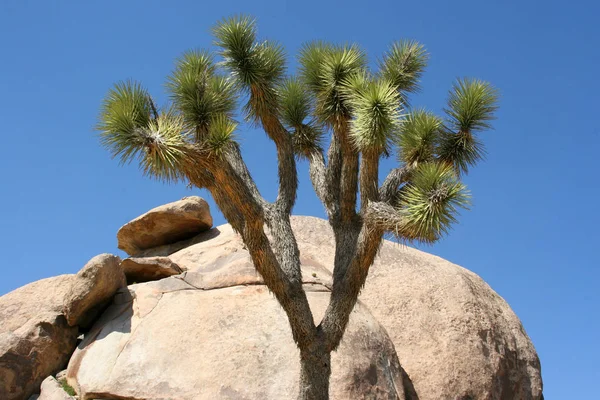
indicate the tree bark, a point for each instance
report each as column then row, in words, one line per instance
column 315, row 370
column 347, row 287
column 390, row 185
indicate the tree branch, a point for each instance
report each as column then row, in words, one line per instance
column 196, row 170
column 333, row 173
column 288, row 177
column 369, row 178
column 390, row 185
column 349, row 185
column 385, row 217
column 349, row 176
column 285, row 248
column 347, row 287
column 343, row 172
column 153, row 108
column 287, row 172
column 346, row 237
column 289, row 292
column 236, row 161
column 318, row 177
column 245, row 215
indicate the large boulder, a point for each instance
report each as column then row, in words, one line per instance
column 455, row 337
column 215, row 332
column 170, row 248
column 39, row 322
column 166, row 224
column 92, row 289
column 22, row 304
column 144, row 269
column 35, row 339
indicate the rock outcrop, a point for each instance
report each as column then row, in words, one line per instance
column 93, row 287
column 39, row 323
column 144, row 269
column 35, row 339
column 204, row 326
column 455, row 337
column 166, row 224
column 52, row 390
column 215, row 332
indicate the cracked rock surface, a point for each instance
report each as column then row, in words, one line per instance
column 39, row 323
column 215, row 332
column 456, row 338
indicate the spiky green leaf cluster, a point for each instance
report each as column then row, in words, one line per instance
column 471, row 105
column 257, row 67
column 326, row 69
column 131, row 128
column 311, row 58
column 250, row 62
column 419, row 137
column 271, row 59
column 461, row 150
column 220, row 135
column 431, row 202
column 126, row 108
column 404, row 64
column 199, row 93
column 377, row 111
column 164, row 151
column 308, row 139
column 334, row 88
column 425, row 137
column 294, row 102
column 295, row 110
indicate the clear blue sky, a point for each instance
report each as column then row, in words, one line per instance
column 533, row 231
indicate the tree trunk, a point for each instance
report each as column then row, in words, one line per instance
column 315, row 369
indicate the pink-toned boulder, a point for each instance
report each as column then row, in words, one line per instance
column 51, row 389
column 35, row 339
column 144, row 269
column 215, row 332
column 39, row 323
column 166, row 224
column 92, row 288
column 455, row 337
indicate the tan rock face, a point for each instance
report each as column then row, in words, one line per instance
column 35, row 339
column 52, row 390
column 168, row 249
column 166, row 224
column 39, row 322
column 22, row 304
column 455, row 337
column 93, row 286
column 144, row 269
column 215, row 332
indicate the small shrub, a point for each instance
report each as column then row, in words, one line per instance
column 66, row 387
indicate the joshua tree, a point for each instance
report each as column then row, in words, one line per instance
column 336, row 101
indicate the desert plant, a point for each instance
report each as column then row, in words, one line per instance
column 336, row 101
column 66, row 387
